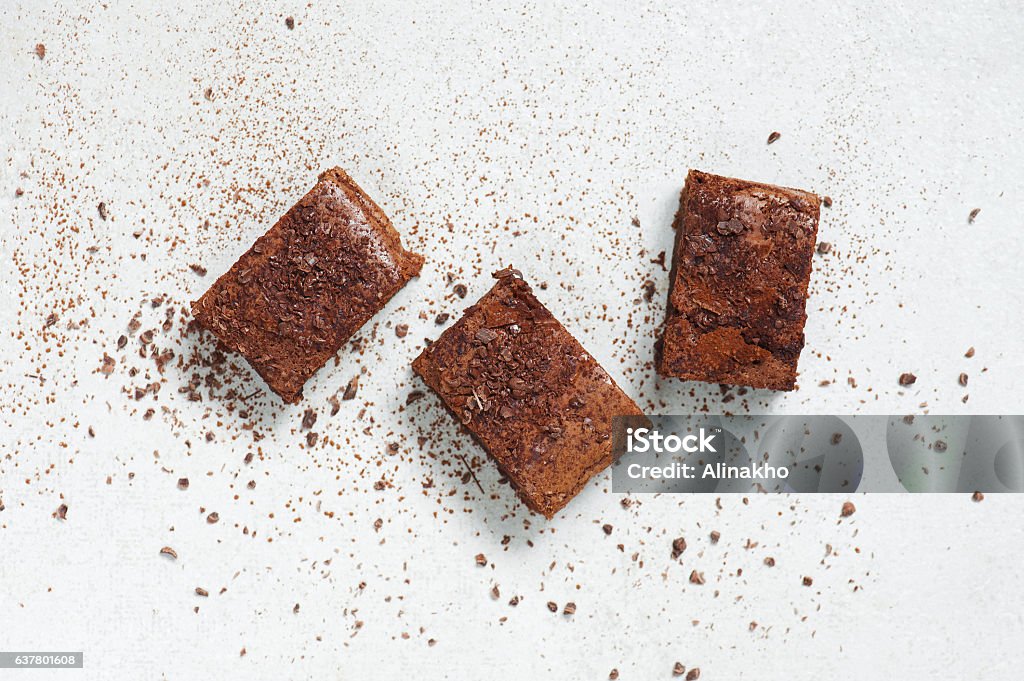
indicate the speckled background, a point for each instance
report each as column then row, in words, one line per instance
column 553, row 138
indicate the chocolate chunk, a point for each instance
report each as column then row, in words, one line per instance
column 309, row 284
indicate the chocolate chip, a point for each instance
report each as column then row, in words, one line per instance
column 848, row 509
column 774, row 137
column 907, row 379
column 351, row 388
column 308, row 419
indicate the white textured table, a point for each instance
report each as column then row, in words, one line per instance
column 530, row 135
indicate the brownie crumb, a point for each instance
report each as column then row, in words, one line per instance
column 824, row 247
column 200, row 591
column 607, row 528
column 678, row 669
column 213, row 518
column 401, row 330
column 693, row 674
column 168, row 551
column 826, row 201
column 769, row 561
column 552, row 606
column 678, row 546
column 973, row 215
column 182, row 483
column 198, row 269
column 441, row 318
column 102, row 210
column 481, row 559
column 649, row 290
column 311, row 438
column 460, row 290
column 774, row 137
column 613, row 674
column 40, row 50
column 977, row 496
column 290, row 23
column 963, row 379
column 969, row 353
column 907, row 378
column 941, row 446
column 715, row 536
column 696, row 577
column 62, row 512
column 570, row 608
column 413, row 396
column 848, row 509
column 807, row 581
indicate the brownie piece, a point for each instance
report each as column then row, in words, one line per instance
column 293, row 299
column 739, row 279
column 539, row 404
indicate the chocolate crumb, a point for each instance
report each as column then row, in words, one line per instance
column 963, row 379
column 351, row 388
column 973, row 214
column 696, row 577
column 769, row 561
column 552, row 606
column 826, row 201
column 715, row 536
column 62, row 512
column 208, row 94
column 168, row 551
column 290, row 23
column 102, row 209
column 774, row 137
column 570, row 608
column 308, row 419
column 807, row 581
column 182, row 483
column 848, row 509
column 969, row 353
column 607, row 528
column 495, row 592
column 613, row 674
column 198, row 269
column 401, row 330
column 40, row 50
column 460, row 290
column 824, row 247
column 907, row 379
column 311, row 438
column 213, row 518
column 413, row 396
column 200, row 591
column 694, row 674
column 481, row 559
column 335, row 404
column 977, row 496
column 441, row 318
column 678, row 669
column 649, row 290
column 678, row 546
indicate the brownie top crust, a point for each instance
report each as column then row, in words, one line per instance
column 307, row 285
column 528, row 391
column 739, row 280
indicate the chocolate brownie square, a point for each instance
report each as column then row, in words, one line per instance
column 739, row 279
column 306, row 286
column 536, row 401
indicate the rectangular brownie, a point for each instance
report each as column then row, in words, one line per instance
column 739, row 279
column 306, row 286
column 529, row 393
